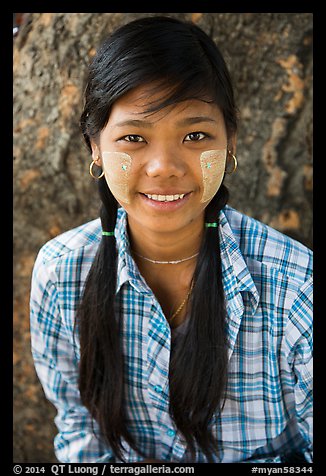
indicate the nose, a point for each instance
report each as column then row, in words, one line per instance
column 165, row 162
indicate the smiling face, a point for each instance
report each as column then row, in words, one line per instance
column 163, row 167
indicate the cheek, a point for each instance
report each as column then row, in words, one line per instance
column 212, row 163
column 117, row 166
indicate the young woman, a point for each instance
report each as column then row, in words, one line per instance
column 175, row 328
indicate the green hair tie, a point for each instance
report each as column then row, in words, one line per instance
column 211, row 225
column 108, row 233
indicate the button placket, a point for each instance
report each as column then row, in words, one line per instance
column 158, row 355
column 158, row 352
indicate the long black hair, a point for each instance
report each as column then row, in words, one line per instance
column 180, row 59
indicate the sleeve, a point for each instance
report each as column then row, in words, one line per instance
column 56, row 365
column 300, row 338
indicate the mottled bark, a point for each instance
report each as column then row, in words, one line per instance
column 270, row 59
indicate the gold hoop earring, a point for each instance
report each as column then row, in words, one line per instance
column 235, row 164
column 91, row 169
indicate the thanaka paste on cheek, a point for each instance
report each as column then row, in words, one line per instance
column 212, row 163
column 117, row 166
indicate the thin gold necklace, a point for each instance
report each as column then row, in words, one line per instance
column 183, row 302
column 165, row 262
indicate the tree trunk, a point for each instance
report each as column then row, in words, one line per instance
column 270, row 59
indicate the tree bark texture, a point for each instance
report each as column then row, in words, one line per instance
column 270, row 59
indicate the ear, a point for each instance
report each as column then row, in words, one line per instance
column 96, row 154
column 232, row 143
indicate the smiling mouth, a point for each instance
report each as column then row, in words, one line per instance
column 165, row 198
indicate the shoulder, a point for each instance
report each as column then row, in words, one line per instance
column 74, row 240
column 262, row 244
column 68, row 256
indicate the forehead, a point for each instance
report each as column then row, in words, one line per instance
column 136, row 103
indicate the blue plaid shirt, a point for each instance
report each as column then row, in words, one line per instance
column 267, row 279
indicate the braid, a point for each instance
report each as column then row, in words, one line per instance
column 101, row 361
column 204, row 351
column 109, row 207
column 218, row 202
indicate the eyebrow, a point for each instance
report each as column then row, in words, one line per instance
column 187, row 121
column 183, row 122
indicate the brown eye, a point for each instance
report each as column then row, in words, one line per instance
column 133, row 138
column 195, row 136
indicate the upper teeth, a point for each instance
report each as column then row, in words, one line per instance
column 165, row 198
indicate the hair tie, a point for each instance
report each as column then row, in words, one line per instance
column 211, row 225
column 108, row 233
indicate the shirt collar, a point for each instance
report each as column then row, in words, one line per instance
column 237, row 280
column 239, row 287
column 127, row 268
column 236, row 275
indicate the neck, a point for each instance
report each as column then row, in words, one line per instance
column 166, row 246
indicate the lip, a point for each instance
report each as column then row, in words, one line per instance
column 165, row 206
column 166, row 192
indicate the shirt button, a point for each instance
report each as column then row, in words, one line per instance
column 170, row 432
column 162, row 327
column 158, row 389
